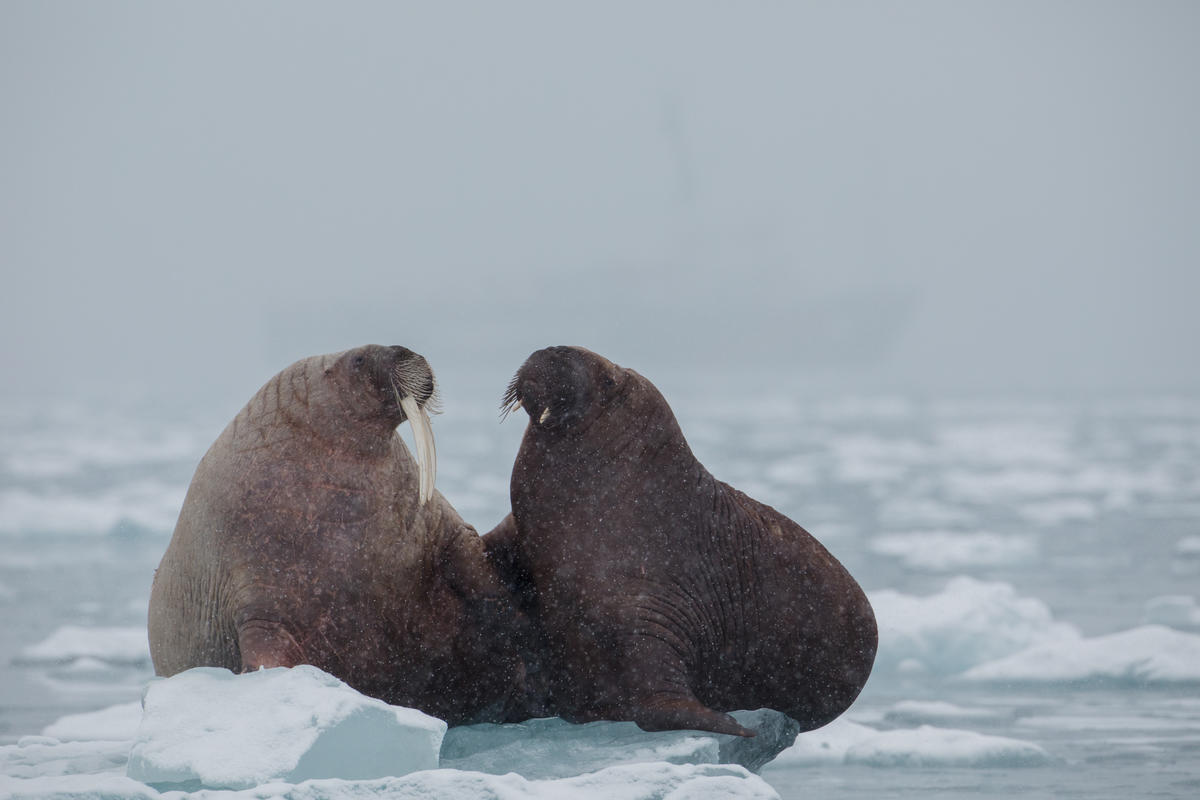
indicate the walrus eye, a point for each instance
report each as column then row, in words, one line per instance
column 359, row 361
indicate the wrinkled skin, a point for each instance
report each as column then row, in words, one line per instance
column 302, row 540
column 661, row 594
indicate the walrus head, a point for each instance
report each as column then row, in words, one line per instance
column 567, row 388
column 398, row 383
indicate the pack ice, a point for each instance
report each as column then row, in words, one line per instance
column 299, row 733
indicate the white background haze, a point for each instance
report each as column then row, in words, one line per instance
column 930, row 197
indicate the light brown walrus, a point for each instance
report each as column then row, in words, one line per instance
column 309, row 535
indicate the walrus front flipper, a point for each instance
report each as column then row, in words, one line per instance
column 267, row 644
column 686, row 713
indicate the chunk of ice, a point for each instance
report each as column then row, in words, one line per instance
column 1149, row 654
column 968, row 623
column 116, row 723
column 928, row 746
column 554, row 748
column 71, row 643
column 208, row 727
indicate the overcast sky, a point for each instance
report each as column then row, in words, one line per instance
column 930, row 197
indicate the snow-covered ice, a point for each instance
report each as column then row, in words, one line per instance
column 113, row 723
column 846, row 742
column 939, row 712
column 625, row 782
column 1149, row 654
column 942, row 551
column 73, row 644
column 1174, row 610
column 209, row 727
column 969, row 622
column 928, row 746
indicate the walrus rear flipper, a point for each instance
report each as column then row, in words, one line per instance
column 267, row 644
column 679, row 713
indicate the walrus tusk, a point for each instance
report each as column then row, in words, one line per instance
column 545, row 415
column 426, row 452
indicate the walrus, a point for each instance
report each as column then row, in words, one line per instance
column 662, row 595
column 309, row 535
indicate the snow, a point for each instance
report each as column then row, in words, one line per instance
column 968, row 623
column 221, row 730
column 75, row 644
column 1149, row 654
column 941, row 551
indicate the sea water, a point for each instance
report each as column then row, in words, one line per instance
column 1034, row 565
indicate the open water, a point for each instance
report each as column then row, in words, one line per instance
column 1035, row 566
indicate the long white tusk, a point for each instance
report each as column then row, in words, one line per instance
column 426, row 451
column 545, row 415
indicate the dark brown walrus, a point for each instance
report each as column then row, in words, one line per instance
column 663, row 595
column 308, row 536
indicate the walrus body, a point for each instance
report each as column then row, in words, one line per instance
column 663, row 595
column 303, row 539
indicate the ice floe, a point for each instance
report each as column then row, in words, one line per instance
column 939, row 712
column 146, row 504
column 73, row 644
column 1149, row 654
column 209, row 727
column 301, row 733
column 941, row 551
column 968, row 623
column 554, row 748
column 118, row 722
column 928, row 746
column 846, row 742
column 1175, row 611
column 1188, row 546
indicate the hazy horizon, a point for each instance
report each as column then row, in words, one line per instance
column 932, row 197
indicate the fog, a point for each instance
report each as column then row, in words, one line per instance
column 929, row 197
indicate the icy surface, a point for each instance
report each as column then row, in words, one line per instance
column 115, row 723
column 939, row 712
column 1106, row 497
column 846, row 742
column 1175, row 611
column 952, row 550
column 553, row 748
column 1149, row 654
column 928, row 746
column 72, row 643
column 209, row 727
column 626, row 782
column 967, row 623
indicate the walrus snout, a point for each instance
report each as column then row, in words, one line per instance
column 553, row 386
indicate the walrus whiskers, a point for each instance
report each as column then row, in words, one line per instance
column 511, row 402
column 423, row 437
